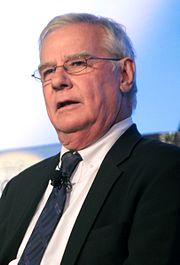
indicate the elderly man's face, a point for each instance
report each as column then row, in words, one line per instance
column 87, row 102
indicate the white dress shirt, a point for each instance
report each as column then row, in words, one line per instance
column 82, row 179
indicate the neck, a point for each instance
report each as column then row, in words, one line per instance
column 81, row 139
column 78, row 140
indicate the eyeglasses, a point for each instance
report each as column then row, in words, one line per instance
column 71, row 66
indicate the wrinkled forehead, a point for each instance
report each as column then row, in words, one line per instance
column 73, row 38
column 81, row 25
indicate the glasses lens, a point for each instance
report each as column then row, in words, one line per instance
column 75, row 65
column 47, row 73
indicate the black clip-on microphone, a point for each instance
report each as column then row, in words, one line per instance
column 59, row 179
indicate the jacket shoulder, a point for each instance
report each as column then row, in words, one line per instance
column 158, row 149
column 37, row 173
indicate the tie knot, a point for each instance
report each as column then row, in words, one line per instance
column 61, row 177
column 69, row 161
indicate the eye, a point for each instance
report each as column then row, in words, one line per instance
column 76, row 64
column 46, row 73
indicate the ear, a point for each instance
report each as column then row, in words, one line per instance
column 127, row 68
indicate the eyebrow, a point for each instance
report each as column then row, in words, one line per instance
column 79, row 54
column 44, row 66
column 72, row 56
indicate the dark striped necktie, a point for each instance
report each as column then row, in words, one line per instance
column 51, row 212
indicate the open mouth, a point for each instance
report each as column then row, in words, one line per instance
column 66, row 104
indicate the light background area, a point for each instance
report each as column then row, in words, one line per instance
column 154, row 27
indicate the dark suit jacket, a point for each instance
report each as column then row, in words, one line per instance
column 131, row 215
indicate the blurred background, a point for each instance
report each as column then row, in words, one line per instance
column 26, row 135
column 154, row 27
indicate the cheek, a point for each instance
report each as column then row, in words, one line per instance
column 103, row 106
column 94, row 102
column 108, row 98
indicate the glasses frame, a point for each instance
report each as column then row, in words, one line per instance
column 36, row 75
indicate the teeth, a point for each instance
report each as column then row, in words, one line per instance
column 65, row 103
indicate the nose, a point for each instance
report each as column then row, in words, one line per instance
column 61, row 80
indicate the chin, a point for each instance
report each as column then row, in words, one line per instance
column 69, row 128
column 73, row 123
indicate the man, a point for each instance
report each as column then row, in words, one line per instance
column 124, row 205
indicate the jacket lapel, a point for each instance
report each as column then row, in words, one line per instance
column 34, row 183
column 38, row 181
column 107, row 175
